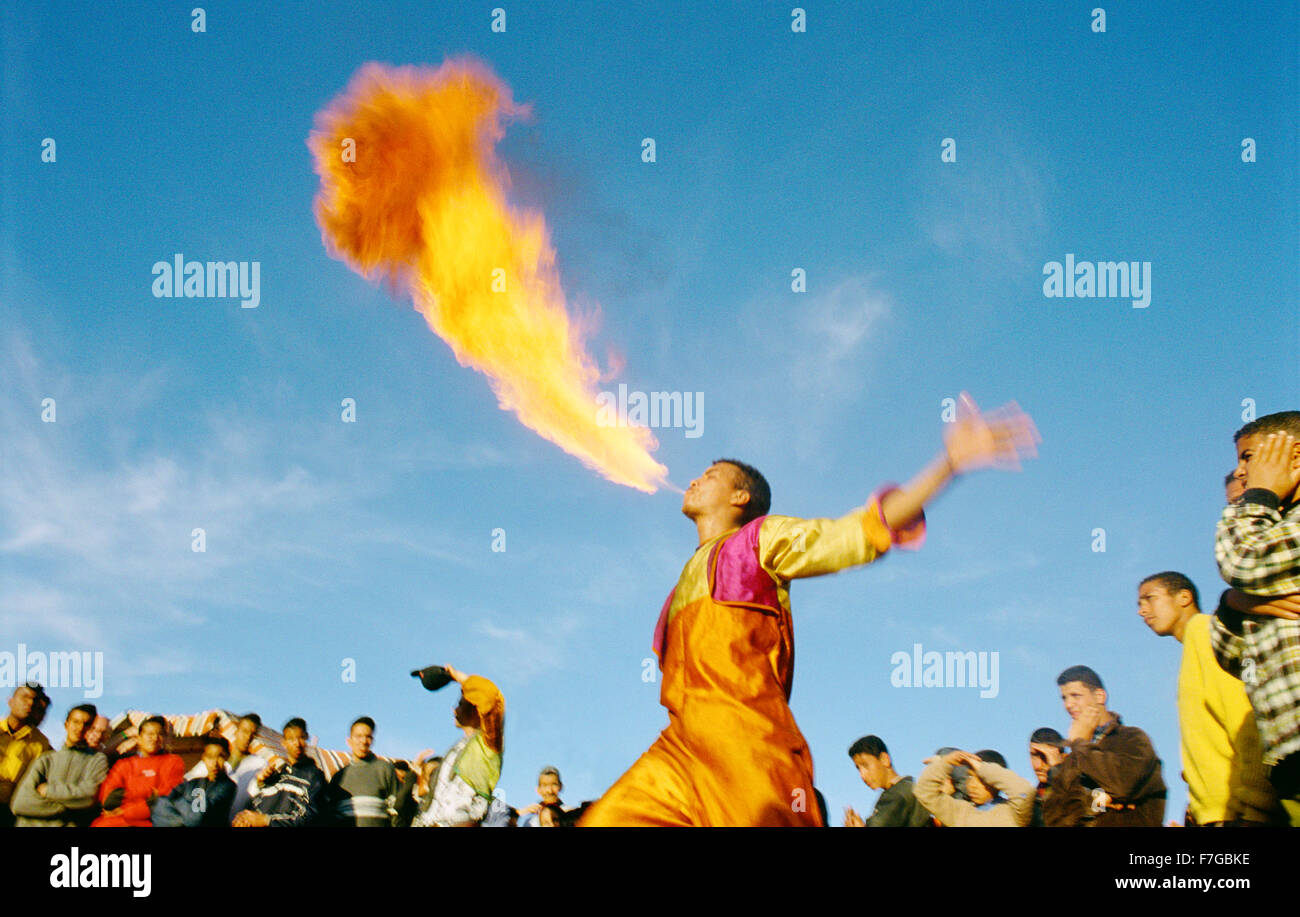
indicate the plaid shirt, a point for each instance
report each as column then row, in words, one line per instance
column 1257, row 546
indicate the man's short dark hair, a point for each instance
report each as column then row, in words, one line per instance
column 754, row 484
column 88, row 709
column 363, row 720
column 1080, row 673
column 868, row 745
column 296, row 723
column 253, row 718
column 162, row 723
column 1174, row 582
column 1281, row 422
column 1046, row 735
column 220, row 742
column 989, row 754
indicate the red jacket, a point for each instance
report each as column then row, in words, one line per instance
column 140, row 777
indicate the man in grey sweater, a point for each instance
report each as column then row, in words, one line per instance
column 58, row 790
column 364, row 793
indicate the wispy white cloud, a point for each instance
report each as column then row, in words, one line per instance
column 528, row 652
column 992, row 203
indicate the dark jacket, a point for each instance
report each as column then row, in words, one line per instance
column 196, row 803
column 897, row 807
column 1113, row 781
column 293, row 796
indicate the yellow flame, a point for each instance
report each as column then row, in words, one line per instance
column 412, row 193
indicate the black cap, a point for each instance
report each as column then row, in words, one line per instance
column 432, row 677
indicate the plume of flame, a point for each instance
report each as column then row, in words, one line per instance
column 423, row 208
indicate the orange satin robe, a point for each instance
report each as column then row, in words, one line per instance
column 732, row 754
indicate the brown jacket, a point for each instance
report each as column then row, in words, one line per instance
column 1112, row 782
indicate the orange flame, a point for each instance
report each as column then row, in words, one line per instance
column 423, row 207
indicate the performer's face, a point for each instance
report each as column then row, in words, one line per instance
column 872, row 770
column 712, row 491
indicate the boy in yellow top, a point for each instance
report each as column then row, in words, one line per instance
column 21, row 742
column 1227, row 783
column 732, row 754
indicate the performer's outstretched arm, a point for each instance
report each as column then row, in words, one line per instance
column 996, row 439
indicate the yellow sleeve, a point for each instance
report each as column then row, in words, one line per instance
column 491, row 707
column 790, row 548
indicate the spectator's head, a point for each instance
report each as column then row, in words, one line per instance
column 96, row 731
column 216, row 751
column 295, row 738
column 872, row 759
column 1233, row 487
column 1081, row 688
column 549, row 785
column 549, row 815
column 28, row 703
column 246, row 731
column 360, row 737
column 977, row 791
column 151, row 734
column 403, row 769
column 954, row 784
column 1166, row 602
column 1250, row 437
column 729, row 489
column 1044, row 736
column 77, row 722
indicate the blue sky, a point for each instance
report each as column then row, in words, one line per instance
column 775, row 150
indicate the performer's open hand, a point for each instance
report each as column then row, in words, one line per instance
column 996, row 439
column 1272, row 466
column 852, row 819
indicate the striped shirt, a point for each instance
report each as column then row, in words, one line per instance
column 1257, row 546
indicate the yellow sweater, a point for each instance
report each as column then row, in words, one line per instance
column 18, row 748
column 1222, row 764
